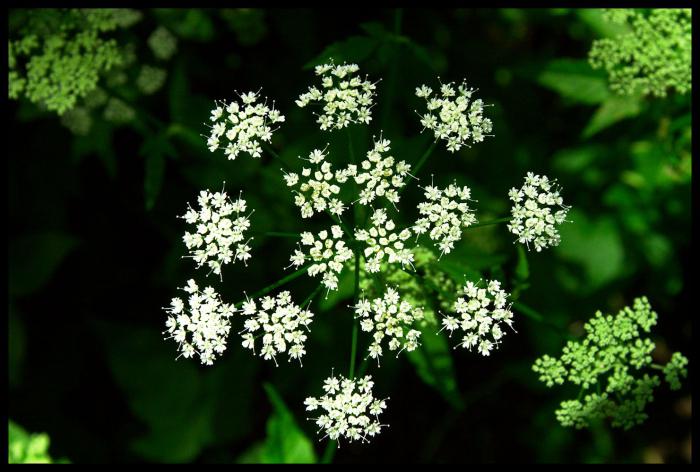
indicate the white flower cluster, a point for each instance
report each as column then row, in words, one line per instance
column 216, row 231
column 389, row 317
column 243, row 125
column 328, row 253
column 318, row 188
column 453, row 118
column 200, row 328
column 445, row 212
column 380, row 176
column 279, row 321
column 346, row 98
column 533, row 219
column 381, row 240
column 349, row 409
column 480, row 312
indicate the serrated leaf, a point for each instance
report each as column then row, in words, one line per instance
column 613, row 110
column 34, row 258
column 576, row 80
column 433, row 363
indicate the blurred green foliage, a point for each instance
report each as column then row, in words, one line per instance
column 95, row 246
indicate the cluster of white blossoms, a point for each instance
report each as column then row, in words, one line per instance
column 389, row 317
column 201, row 327
column 380, row 176
column 281, row 324
column 446, row 212
column 349, row 409
column 346, row 98
column 318, row 188
column 479, row 313
column 244, row 125
column 328, row 254
column 453, row 117
column 381, row 241
column 217, row 230
column 537, row 209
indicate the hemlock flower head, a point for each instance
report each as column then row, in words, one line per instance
column 537, row 208
column 380, row 176
column 389, row 317
column 381, row 241
column 453, row 116
column 611, row 359
column 280, row 322
column 328, row 252
column 217, row 230
column 348, row 409
column 480, row 313
column 201, row 326
column 446, row 212
column 241, row 127
column 317, row 189
column 346, row 98
column 654, row 56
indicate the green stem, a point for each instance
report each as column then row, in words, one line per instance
column 492, row 222
column 279, row 283
column 355, row 324
column 311, row 296
column 423, row 159
column 540, row 318
column 274, row 154
column 277, row 234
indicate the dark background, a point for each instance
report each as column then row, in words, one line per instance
column 91, row 265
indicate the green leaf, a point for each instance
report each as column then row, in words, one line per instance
column 352, row 49
column 576, row 80
column 613, row 110
column 433, row 363
column 34, row 258
column 155, row 149
column 286, row 443
column 184, row 408
column 593, row 17
column 595, row 245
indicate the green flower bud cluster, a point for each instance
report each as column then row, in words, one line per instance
column 607, row 365
column 57, row 56
column 652, row 57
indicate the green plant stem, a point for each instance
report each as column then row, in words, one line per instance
column 279, row 283
column 421, row 162
column 540, row 318
column 276, row 234
column 355, row 324
column 505, row 219
column 307, row 301
column 274, row 154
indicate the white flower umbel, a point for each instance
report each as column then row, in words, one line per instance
column 381, row 241
column 348, row 409
column 327, row 251
column 380, row 175
column 453, row 116
column 537, row 210
column 389, row 317
column 201, row 326
column 241, row 127
column 480, row 313
column 317, row 189
column 346, row 98
column 446, row 212
column 217, row 230
column 279, row 322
